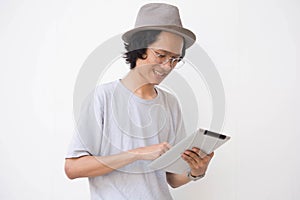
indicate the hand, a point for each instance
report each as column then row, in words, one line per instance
column 197, row 163
column 151, row 152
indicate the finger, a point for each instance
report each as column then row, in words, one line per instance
column 200, row 160
column 196, row 150
column 191, row 162
column 193, row 158
column 169, row 146
column 193, row 155
column 202, row 154
column 199, row 152
column 207, row 158
column 211, row 154
column 166, row 145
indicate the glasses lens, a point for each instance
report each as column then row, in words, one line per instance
column 163, row 59
column 179, row 64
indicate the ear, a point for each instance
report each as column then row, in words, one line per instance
column 144, row 56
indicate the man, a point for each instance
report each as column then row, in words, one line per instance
column 126, row 124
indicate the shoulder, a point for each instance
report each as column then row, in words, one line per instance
column 100, row 94
column 105, row 89
column 168, row 96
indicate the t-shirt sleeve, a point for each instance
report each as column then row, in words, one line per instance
column 87, row 135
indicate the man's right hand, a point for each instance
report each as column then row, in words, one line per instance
column 91, row 166
column 151, row 152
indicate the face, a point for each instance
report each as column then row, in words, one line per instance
column 167, row 46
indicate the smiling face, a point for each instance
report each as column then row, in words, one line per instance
column 167, row 46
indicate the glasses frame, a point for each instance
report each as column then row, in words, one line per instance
column 161, row 60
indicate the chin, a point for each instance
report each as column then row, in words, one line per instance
column 156, row 82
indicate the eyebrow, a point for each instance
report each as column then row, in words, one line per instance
column 172, row 54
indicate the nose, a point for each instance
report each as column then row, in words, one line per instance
column 168, row 65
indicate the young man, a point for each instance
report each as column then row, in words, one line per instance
column 126, row 124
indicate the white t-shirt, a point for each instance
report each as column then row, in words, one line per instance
column 113, row 120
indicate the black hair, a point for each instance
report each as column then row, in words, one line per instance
column 138, row 44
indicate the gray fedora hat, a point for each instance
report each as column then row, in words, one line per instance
column 160, row 16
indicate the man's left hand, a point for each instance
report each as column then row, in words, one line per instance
column 197, row 163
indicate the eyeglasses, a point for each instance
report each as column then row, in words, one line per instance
column 162, row 58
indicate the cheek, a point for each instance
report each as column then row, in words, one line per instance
column 145, row 66
column 145, row 70
column 143, row 63
column 140, row 62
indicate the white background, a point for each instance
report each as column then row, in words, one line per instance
column 254, row 44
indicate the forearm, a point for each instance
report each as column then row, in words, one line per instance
column 91, row 166
column 177, row 180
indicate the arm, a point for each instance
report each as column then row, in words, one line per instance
column 90, row 166
column 177, row 180
column 197, row 164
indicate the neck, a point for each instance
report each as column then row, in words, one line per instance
column 139, row 86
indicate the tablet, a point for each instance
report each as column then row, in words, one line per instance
column 205, row 140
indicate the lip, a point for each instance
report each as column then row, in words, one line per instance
column 159, row 75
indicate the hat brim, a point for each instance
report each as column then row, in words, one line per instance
column 189, row 36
